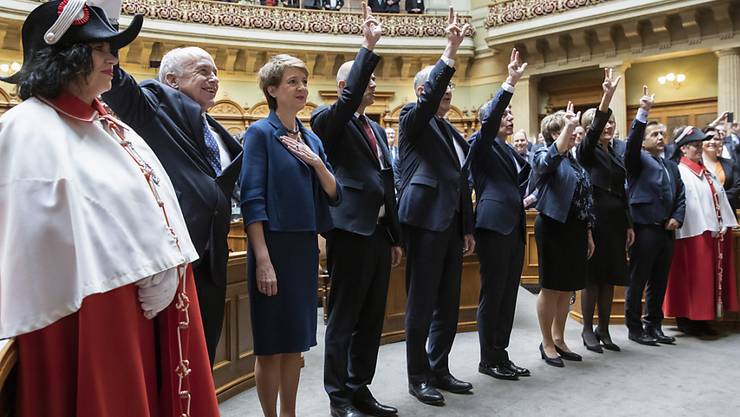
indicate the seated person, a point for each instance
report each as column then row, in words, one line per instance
column 384, row 6
column 415, row 6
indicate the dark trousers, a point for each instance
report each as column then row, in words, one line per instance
column 650, row 261
column 212, row 299
column 433, row 272
column 501, row 260
column 359, row 267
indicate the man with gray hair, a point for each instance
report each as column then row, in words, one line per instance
column 365, row 241
column 199, row 155
column 436, row 212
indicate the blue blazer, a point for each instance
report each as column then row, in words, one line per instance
column 556, row 179
column 648, row 205
column 279, row 189
column 498, row 186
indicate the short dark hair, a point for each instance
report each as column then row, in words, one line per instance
column 54, row 67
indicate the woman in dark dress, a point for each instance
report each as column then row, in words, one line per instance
column 612, row 231
column 562, row 231
column 286, row 189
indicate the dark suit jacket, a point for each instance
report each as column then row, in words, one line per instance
column 382, row 6
column 732, row 182
column 556, row 180
column 366, row 187
column 326, row 4
column 605, row 167
column 279, row 189
column 619, row 147
column 433, row 185
column 499, row 188
column 647, row 202
column 414, row 4
column 172, row 125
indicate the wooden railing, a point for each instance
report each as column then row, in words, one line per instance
column 504, row 12
column 286, row 19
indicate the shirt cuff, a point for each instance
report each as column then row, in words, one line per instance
column 642, row 115
column 508, row 87
column 448, row 61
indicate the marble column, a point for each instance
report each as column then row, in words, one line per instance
column 728, row 81
column 619, row 100
column 525, row 106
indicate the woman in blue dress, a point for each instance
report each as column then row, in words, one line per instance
column 286, row 189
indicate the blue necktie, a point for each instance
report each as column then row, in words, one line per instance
column 212, row 153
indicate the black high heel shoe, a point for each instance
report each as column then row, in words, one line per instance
column 606, row 341
column 556, row 362
column 568, row 356
column 592, row 347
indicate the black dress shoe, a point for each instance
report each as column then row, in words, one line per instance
column 568, row 356
column 643, row 339
column 498, row 372
column 346, row 411
column 606, row 340
column 590, row 345
column 557, row 362
column 705, row 329
column 426, row 393
column 451, row 384
column 659, row 336
column 369, row 405
column 518, row 370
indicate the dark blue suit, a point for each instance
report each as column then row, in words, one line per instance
column 435, row 209
column 284, row 193
column 279, row 189
column 656, row 194
column 556, row 180
column 500, row 227
column 172, row 124
column 359, row 247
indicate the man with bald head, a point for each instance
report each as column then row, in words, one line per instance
column 365, row 241
column 199, row 155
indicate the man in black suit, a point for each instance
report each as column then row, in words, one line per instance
column 415, row 6
column 365, row 241
column 199, row 155
column 384, row 6
column 658, row 205
column 435, row 210
column 500, row 177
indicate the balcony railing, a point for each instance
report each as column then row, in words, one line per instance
column 505, row 12
column 216, row 13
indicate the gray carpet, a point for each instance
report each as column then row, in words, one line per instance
column 693, row 378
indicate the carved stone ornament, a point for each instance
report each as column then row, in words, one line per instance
column 512, row 11
column 216, row 13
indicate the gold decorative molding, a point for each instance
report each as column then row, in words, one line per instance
column 216, row 13
column 512, row 11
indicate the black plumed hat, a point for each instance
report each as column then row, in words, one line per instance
column 68, row 22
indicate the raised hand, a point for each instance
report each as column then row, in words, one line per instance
column 721, row 119
column 647, row 100
column 371, row 28
column 516, row 68
column 455, row 33
column 571, row 118
column 610, row 83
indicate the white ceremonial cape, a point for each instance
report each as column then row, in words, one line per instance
column 700, row 212
column 77, row 216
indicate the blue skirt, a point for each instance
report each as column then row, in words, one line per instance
column 286, row 322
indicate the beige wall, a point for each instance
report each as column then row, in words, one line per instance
column 701, row 79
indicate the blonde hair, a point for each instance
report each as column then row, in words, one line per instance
column 588, row 117
column 552, row 125
column 271, row 74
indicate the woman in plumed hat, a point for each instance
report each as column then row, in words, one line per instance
column 701, row 282
column 93, row 245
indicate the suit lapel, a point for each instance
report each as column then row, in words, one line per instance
column 505, row 157
column 356, row 123
column 441, row 137
column 192, row 112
